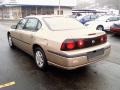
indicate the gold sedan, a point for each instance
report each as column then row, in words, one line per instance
column 58, row 40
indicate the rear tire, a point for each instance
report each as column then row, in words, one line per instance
column 10, row 41
column 40, row 58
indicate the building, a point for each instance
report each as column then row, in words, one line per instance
column 87, row 12
column 14, row 9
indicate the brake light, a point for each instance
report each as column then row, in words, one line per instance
column 81, row 43
column 68, row 45
column 103, row 38
column 73, row 44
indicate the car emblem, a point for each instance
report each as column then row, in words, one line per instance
column 93, row 41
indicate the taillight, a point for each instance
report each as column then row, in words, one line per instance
column 73, row 44
column 81, row 43
column 103, row 38
column 68, row 45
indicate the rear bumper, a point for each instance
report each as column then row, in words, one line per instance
column 72, row 62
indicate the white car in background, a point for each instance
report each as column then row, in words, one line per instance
column 103, row 23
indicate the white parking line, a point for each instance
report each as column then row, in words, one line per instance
column 7, row 84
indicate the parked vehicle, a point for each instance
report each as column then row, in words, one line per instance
column 58, row 40
column 87, row 18
column 104, row 22
column 115, row 29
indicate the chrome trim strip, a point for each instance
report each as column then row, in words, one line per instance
column 67, row 56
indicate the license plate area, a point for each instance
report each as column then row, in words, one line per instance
column 95, row 54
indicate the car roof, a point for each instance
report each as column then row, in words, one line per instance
column 44, row 16
column 106, row 17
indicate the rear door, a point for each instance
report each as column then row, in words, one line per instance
column 28, row 33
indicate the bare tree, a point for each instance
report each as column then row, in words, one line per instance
column 110, row 3
column 82, row 5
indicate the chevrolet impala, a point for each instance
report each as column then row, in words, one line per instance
column 58, row 40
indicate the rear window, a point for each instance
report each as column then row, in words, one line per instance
column 63, row 23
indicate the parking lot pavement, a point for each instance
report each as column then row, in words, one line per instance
column 19, row 67
column 8, row 23
column 115, row 49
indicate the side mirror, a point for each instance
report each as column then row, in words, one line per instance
column 107, row 20
column 13, row 26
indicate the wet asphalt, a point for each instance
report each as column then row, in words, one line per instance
column 15, row 65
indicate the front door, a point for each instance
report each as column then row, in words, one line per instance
column 16, row 34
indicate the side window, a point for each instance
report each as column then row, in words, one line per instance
column 31, row 24
column 21, row 24
column 87, row 18
column 113, row 19
column 118, row 18
column 93, row 17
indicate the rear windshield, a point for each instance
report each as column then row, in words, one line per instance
column 63, row 23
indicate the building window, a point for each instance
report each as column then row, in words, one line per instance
column 33, row 10
column 47, row 10
column 61, row 12
column 6, row 13
column 38, row 10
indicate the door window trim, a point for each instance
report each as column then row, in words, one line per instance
column 35, row 30
column 19, row 22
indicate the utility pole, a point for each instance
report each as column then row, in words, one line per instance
column 2, row 11
column 36, row 10
column 59, row 7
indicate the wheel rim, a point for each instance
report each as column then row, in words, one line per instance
column 10, row 41
column 100, row 28
column 39, row 59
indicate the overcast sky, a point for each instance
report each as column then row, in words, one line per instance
column 52, row 1
column 41, row 2
column 55, row 0
column 85, row 1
